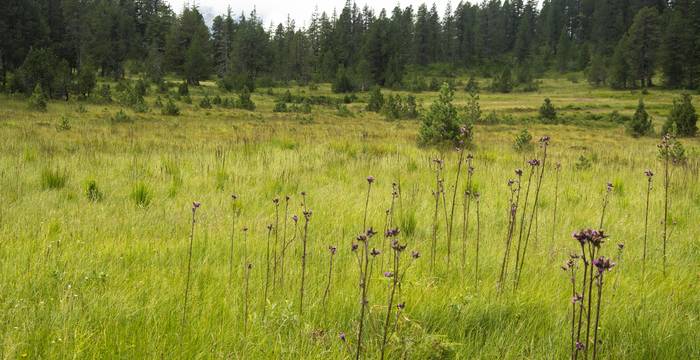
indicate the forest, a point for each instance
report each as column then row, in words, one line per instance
column 62, row 45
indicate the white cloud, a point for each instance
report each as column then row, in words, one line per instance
column 299, row 10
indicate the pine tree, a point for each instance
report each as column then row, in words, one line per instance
column 682, row 117
column 376, row 100
column 640, row 124
column 548, row 113
column 442, row 122
column 619, row 71
column 642, row 45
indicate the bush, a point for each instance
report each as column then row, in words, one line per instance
column 183, row 89
column 442, row 123
column 141, row 87
column 38, row 100
column 92, row 191
column 683, row 117
column 141, row 195
column 523, row 141
column 53, row 179
column 434, row 84
column 640, row 124
column 205, row 103
column 392, row 107
column 120, row 117
column 472, row 85
column 244, row 101
column 343, row 111
column 548, row 114
column 170, row 109
column 280, row 106
column 376, row 100
column 410, row 110
column 342, row 83
column 504, row 82
column 105, row 94
column 63, row 124
column 349, row 99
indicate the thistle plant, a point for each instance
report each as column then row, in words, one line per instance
column 246, row 283
column 287, row 243
column 195, row 206
column 284, row 240
column 460, row 151
column 267, row 270
column 590, row 242
column 606, row 201
column 331, row 250
column 513, row 202
column 534, row 163
column 307, row 218
column 477, row 198
column 650, row 177
column 436, row 195
column 544, row 143
column 233, row 232
column 363, row 260
column 665, row 153
column 276, row 202
column 465, row 215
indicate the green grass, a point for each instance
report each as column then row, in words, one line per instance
column 94, row 279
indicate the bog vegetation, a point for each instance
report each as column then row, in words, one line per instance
column 372, row 186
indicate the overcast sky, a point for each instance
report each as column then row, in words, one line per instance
column 276, row 11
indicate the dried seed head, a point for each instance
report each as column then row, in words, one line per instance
column 269, row 227
column 276, row 200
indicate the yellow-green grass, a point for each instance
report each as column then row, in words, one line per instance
column 106, row 279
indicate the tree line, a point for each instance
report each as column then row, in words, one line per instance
column 62, row 44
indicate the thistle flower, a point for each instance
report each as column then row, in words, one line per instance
column 534, row 162
column 361, row 237
column 609, row 187
column 544, row 140
column 415, row 254
column 234, row 196
column 375, row 252
column 401, row 305
column 391, row 232
column 269, row 227
column 620, row 246
column 511, row 182
column 332, row 250
column 307, row 214
column 388, row 274
column 295, row 218
column 276, row 200
column 580, row 346
column 354, row 247
column 342, row 337
column 519, row 172
column 603, row 264
column 370, row 179
column 577, row 298
column 370, row 233
column 648, row 173
column 196, row 205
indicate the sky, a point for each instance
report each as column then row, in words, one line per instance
column 276, row 11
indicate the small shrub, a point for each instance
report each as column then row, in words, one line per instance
column 81, row 109
column 343, row 111
column 38, row 100
column 244, row 101
column 410, row 110
column 216, row 100
column 342, row 82
column 349, row 99
column 92, row 191
column 376, row 100
column 141, row 195
column 141, row 87
column 53, row 179
column 183, row 89
column 504, row 82
column 640, row 124
column 105, row 94
column 205, row 103
column 583, row 163
column 472, row 85
column 523, row 141
column 63, row 124
column 170, row 109
column 442, row 123
column 120, row 117
column 548, row 114
column 159, row 102
column 280, row 107
column 683, row 117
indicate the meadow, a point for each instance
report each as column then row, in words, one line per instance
column 96, row 225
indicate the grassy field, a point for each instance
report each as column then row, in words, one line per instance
column 105, row 277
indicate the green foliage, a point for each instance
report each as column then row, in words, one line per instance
column 503, row 83
column 38, row 100
column 671, row 149
column 596, row 73
column 548, row 114
column 183, row 89
column 92, row 191
column 85, row 81
column 640, row 124
column 141, row 87
column 170, row 109
column 244, row 100
column 343, row 111
column 523, row 141
column 683, row 117
column 205, row 102
column 472, row 85
column 141, row 195
column 120, row 117
column 583, row 163
column 376, row 99
column 53, row 179
column 442, row 122
column 63, row 124
column 280, row 106
column 105, row 94
column 342, row 83
column 473, row 109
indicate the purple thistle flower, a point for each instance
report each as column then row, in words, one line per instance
column 234, row 196
column 401, row 305
column 370, row 179
column 361, row 237
column 354, row 247
column 620, row 246
column 370, row 233
column 196, row 205
column 276, row 200
column 295, row 218
column 470, row 156
column 576, row 298
column 544, row 140
column 609, row 187
column 342, row 337
column 603, row 264
column 580, row 346
column 511, row 182
column 375, row 252
column 332, row 249
column 415, row 254
column 534, row 162
column 648, row 173
column 391, row 232
column 388, row 274
column 519, row 172
column 307, row 214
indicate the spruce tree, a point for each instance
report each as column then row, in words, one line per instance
column 640, row 124
column 683, row 117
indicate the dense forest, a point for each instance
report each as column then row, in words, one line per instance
column 62, row 45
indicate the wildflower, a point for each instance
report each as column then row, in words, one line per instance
column 577, row 298
column 388, row 274
column 342, row 337
column 276, row 200
column 234, row 196
column 511, row 182
column 415, row 254
column 269, row 227
column 620, row 246
column 519, row 172
column 392, row 232
column 534, row 162
column 544, row 140
column 609, row 187
column 354, row 247
column 580, row 346
column 603, row 264
column 245, row 228
column 370, row 179
column 295, row 218
column 375, row 252
column 196, row 205
column 401, row 305
column 370, row 233
column 361, row 237
column 332, row 249
column 307, row 214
